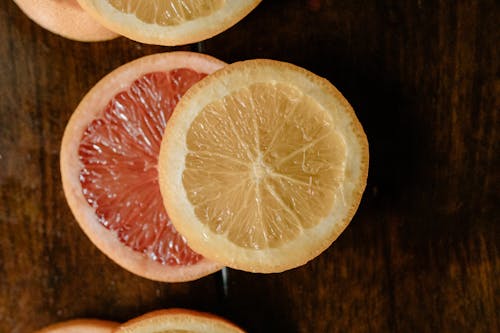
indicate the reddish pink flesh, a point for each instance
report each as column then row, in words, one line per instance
column 119, row 154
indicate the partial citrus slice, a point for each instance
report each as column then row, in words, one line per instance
column 173, row 22
column 264, row 166
column 178, row 321
column 65, row 18
column 81, row 326
column 109, row 157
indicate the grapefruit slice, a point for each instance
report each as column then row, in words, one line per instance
column 65, row 18
column 264, row 166
column 178, row 321
column 81, row 326
column 173, row 22
column 109, row 157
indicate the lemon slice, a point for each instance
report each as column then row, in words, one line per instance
column 264, row 166
column 168, row 22
column 178, row 321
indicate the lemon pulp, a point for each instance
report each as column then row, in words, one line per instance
column 264, row 163
column 167, row 13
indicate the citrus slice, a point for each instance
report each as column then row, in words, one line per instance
column 264, row 166
column 109, row 157
column 65, row 18
column 81, row 326
column 172, row 22
column 178, row 321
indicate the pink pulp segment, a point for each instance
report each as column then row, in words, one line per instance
column 119, row 156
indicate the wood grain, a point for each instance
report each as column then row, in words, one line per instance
column 421, row 255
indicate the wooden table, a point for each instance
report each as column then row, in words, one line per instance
column 422, row 253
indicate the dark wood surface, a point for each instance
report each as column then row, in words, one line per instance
column 421, row 254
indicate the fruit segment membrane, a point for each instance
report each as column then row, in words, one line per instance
column 164, row 13
column 264, row 163
column 119, row 156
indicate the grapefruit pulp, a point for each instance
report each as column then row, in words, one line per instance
column 109, row 158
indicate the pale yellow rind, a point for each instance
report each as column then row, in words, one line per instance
column 188, row 32
column 89, row 108
column 65, row 19
column 312, row 241
column 178, row 320
column 81, row 326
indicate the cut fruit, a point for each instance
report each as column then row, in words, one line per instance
column 174, row 22
column 109, row 156
column 65, row 18
column 178, row 321
column 81, row 326
column 264, row 166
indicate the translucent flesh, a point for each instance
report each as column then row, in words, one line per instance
column 119, row 155
column 264, row 163
column 167, row 12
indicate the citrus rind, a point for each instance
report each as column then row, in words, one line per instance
column 81, row 326
column 189, row 31
column 178, row 320
column 312, row 240
column 65, row 19
column 89, row 108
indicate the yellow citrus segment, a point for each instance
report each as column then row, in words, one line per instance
column 168, row 22
column 167, row 13
column 178, row 321
column 263, row 164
